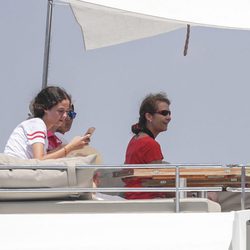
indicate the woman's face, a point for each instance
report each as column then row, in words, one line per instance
column 158, row 122
column 55, row 116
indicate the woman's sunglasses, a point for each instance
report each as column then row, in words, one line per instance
column 164, row 112
column 72, row 114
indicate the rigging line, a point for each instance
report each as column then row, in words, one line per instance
column 187, row 40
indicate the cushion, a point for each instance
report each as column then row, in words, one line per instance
column 231, row 201
column 85, row 151
column 16, row 173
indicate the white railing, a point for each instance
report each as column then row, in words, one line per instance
column 178, row 189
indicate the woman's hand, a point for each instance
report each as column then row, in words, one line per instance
column 78, row 142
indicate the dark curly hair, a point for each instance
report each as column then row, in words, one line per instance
column 48, row 98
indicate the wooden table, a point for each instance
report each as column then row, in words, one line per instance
column 195, row 177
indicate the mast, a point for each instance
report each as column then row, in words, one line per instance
column 47, row 43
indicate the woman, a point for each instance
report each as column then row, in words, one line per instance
column 29, row 139
column 143, row 148
column 55, row 136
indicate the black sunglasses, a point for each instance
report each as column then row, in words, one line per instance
column 72, row 114
column 164, row 112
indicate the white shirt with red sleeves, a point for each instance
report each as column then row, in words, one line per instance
column 24, row 135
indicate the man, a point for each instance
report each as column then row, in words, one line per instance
column 56, row 139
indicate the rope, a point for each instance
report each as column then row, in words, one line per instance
column 187, row 40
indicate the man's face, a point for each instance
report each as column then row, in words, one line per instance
column 66, row 125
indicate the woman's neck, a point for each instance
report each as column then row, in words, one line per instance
column 49, row 126
column 148, row 132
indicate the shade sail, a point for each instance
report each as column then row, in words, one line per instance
column 110, row 22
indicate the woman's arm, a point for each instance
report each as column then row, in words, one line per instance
column 156, row 162
column 77, row 143
column 159, row 162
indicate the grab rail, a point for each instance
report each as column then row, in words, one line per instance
column 177, row 189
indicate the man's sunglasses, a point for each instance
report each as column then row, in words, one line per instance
column 72, row 114
column 164, row 112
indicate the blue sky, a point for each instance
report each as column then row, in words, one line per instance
column 209, row 88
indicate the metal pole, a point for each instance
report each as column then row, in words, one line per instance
column 177, row 186
column 47, row 44
column 243, row 186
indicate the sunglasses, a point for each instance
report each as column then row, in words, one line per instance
column 72, row 114
column 164, row 112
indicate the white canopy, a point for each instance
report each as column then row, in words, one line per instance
column 109, row 22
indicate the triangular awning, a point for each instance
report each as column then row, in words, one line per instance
column 110, row 22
